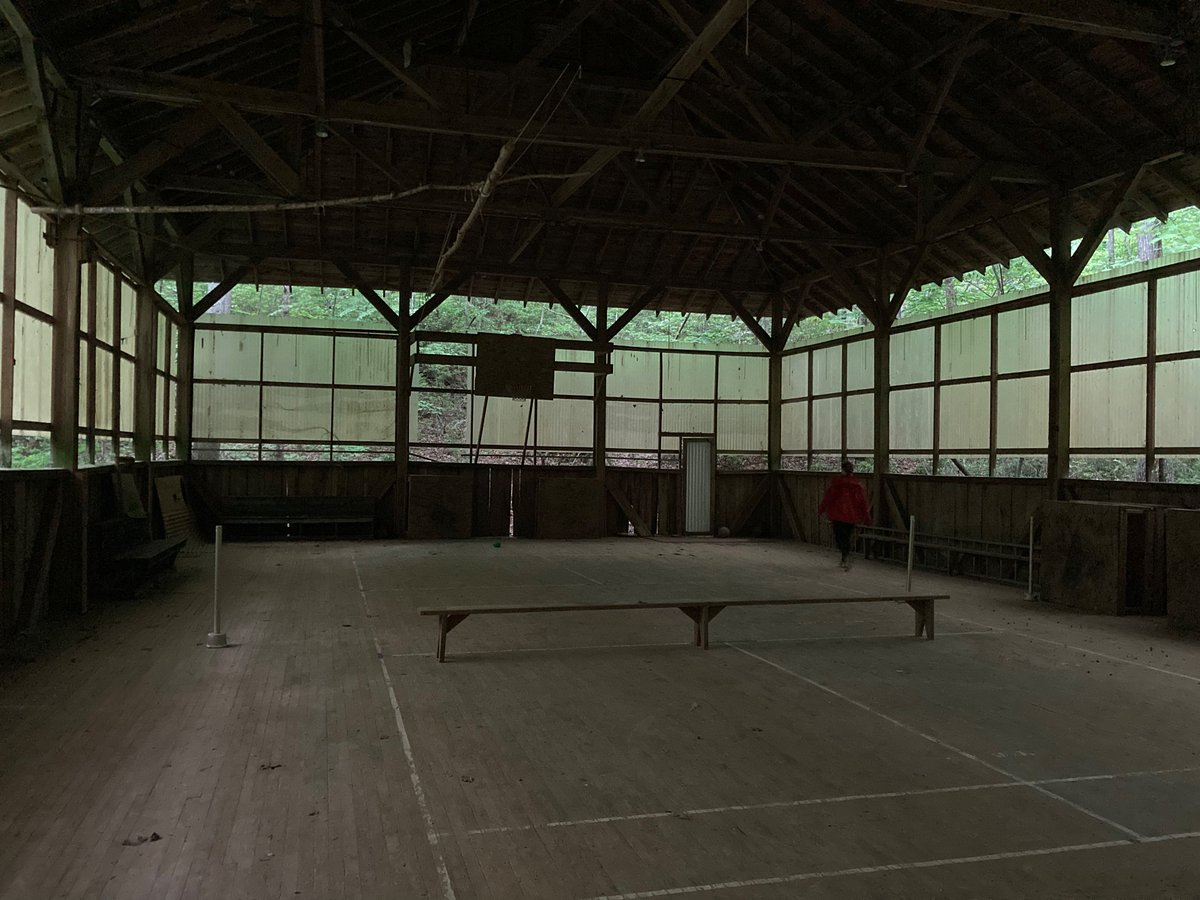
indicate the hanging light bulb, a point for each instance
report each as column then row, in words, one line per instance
column 641, row 157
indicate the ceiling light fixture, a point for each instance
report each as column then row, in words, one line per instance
column 322, row 129
column 641, row 157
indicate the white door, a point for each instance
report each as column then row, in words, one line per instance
column 698, row 486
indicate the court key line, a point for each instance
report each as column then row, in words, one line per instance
column 887, row 867
column 1129, row 832
column 812, row 801
column 1034, row 637
column 431, row 833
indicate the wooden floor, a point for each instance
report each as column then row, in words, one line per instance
column 813, row 751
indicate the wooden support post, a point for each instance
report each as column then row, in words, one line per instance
column 1151, row 378
column 185, row 365
column 775, row 389
column 90, row 303
column 8, row 327
column 600, row 390
column 1058, row 450
column 403, row 397
column 145, row 339
column 883, row 417
column 64, row 400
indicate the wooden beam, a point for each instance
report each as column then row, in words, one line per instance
column 144, row 381
column 178, row 139
column 437, row 299
column 222, row 288
column 931, row 116
column 404, row 371
column 32, row 65
column 1124, row 21
column 351, row 274
column 179, row 90
column 571, row 308
column 1014, row 229
column 376, row 49
column 260, row 152
column 907, row 281
column 1099, row 224
column 643, row 300
column 184, row 290
column 64, row 377
column 748, row 320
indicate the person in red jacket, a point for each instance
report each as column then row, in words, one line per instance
column 845, row 505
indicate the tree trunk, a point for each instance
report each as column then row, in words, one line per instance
column 1110, row 244
column 1149, row 247
column 951, row 293
column 285, row 305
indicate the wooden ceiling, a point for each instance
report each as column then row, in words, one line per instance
column 687, row 154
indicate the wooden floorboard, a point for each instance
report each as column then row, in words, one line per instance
column 595, row 755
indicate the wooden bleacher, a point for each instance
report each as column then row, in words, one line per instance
column 297, row 517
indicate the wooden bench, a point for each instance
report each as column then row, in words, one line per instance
column 701, row 612
column 128, row 555
column 1011, row 559
column 300, row 515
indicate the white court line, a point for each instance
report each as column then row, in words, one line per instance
column 431, row 832
column 815, row 801
column 1034, row 637
column 1129, row 832
column 887, row 867
column 795, row 640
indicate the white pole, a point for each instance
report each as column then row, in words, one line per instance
column 912, row 533
column 216, row 637
column 1029, row 592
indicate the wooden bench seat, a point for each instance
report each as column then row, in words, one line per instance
column 701, row 612
column 151, row 554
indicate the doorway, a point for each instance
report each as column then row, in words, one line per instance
column 699, row 460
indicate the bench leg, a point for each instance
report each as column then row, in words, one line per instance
column 923, row 617
column 446, row 624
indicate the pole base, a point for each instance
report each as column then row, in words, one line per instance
column 217, row 640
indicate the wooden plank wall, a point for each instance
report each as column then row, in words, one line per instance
column 1180, row 496
column 993, row 509
column 49, row 535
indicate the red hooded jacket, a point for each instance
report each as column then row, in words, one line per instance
column 846, row 501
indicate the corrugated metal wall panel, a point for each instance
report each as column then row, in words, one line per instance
column 1108, row 407
column 1176, row 422
column 1109, row 326
column 742, row 428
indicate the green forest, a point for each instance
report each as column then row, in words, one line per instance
column 1144, row 241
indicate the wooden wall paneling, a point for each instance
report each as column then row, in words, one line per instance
column 1182, row 568
column 568, row 507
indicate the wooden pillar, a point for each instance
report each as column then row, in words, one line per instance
column 600, row 357
column 1058, row 450
column 403, row 397
column 145, row 342
column 8, row 327
column 883, row 416
column 186, row 363
column 64, row 398
column 775, row 389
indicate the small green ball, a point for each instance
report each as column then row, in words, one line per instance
column 497, row 544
